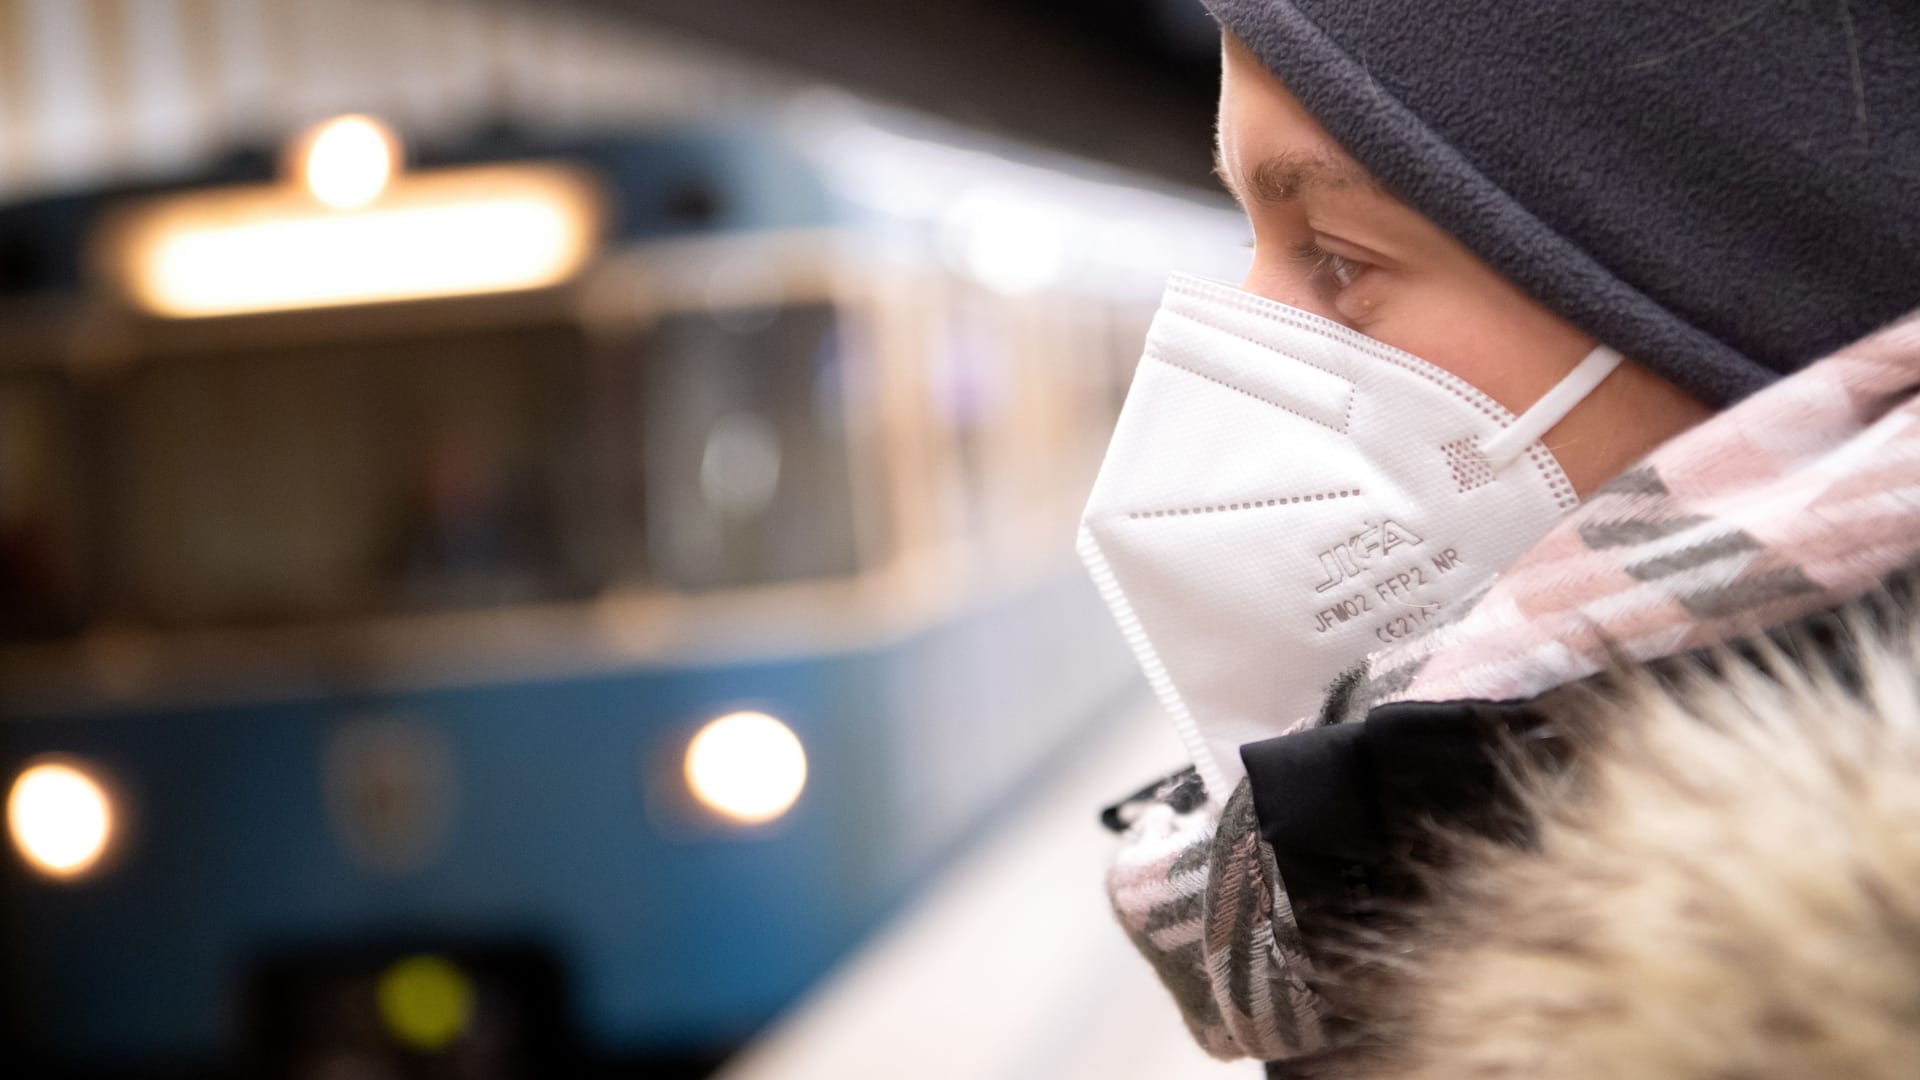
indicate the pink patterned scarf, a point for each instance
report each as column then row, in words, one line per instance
column 1800, row 497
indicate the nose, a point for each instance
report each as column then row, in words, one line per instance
column 1289, row 285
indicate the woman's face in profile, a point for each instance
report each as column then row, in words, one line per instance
column 1328, row 238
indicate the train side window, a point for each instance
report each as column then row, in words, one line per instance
column 745, row 447
column 43, row 568
column 424, row 472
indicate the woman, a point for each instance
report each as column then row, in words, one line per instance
column 1493, row 780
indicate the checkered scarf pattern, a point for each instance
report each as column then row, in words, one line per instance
column 1806, row 494
column 1197, row 895
column 1799, row 498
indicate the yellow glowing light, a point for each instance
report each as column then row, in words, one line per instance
column 451, row 233
column 348, row 161
column 478, row 247
column 425, row 1002
column 746, row 766
column 60, row 819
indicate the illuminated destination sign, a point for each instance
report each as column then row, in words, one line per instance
column 355, row 231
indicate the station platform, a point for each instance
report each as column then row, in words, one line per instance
column 1010, row 966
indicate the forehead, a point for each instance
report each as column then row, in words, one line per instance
column 1266, row 133
column 1258, row 112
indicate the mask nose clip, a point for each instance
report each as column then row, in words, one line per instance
column 1552, row 407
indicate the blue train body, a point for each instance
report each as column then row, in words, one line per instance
column 554, row 815
column 672, row 939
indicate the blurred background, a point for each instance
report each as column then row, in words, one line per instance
column 536, row 538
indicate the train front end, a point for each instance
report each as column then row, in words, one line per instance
column 531, row 615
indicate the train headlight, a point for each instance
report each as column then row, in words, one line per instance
column 747, row 767
column 60, row 817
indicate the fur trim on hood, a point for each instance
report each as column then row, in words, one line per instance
column 1726, row 885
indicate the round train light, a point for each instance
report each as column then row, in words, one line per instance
column 425, row 1002
column 349, row 160
column 747, row 767
column 60, row 818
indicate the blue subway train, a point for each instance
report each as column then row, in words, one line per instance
column 532, row 611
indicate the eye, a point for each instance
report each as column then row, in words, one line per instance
column 1325, row 266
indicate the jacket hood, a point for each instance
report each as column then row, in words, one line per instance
column 1727, row 884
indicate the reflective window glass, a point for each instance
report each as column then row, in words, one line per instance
column 43, row 579
column 411, row 473
column 746, row 449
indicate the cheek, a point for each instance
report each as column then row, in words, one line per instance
column 1366, row 302
column 1498, row 340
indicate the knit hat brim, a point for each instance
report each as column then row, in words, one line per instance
column 1662, row 208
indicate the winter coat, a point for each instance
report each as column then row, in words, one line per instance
column 1703, row 867
column 1647, row 806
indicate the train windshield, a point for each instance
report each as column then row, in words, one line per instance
column 298, row 476
column 322, row 479
column 745, row 447
column 43, row 574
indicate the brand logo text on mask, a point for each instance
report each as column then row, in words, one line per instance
column 1353, row 556
column 1402, row 589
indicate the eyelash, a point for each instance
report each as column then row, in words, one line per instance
column 1325, row 265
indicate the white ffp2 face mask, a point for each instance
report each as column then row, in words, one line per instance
column 1284, row 496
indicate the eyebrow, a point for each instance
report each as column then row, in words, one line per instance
column 1283, row 177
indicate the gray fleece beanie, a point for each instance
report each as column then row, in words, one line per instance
column 1724, row 190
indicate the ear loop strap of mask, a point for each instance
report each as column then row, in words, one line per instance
column 1552, row 407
